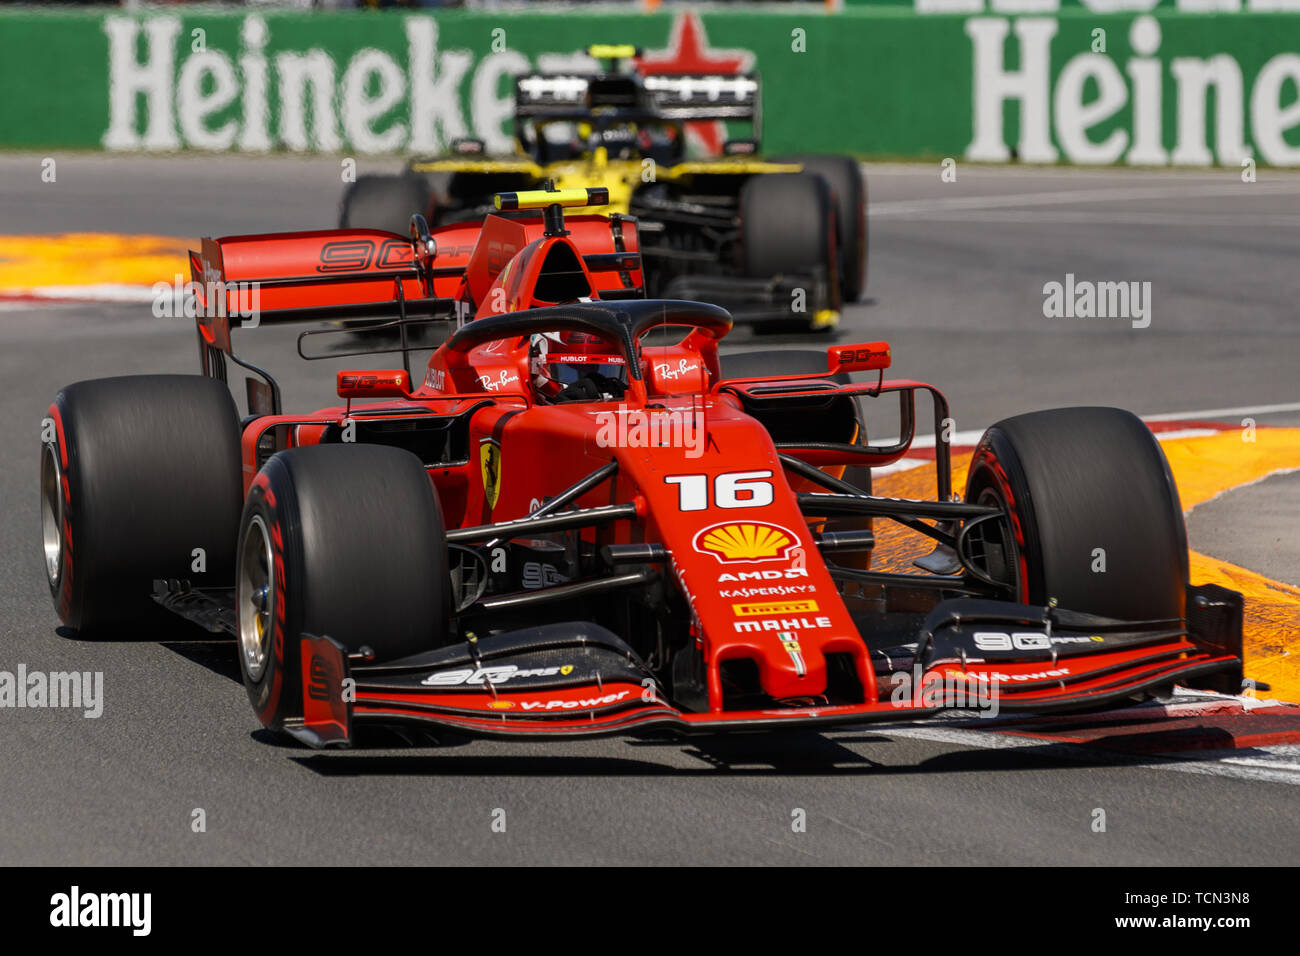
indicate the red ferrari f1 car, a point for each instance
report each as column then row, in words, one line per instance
column 581, row 519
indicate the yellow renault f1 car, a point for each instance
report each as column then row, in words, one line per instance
column 781, row 244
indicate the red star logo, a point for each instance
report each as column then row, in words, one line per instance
column 688, row 52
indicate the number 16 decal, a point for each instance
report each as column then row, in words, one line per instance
column 734, row 489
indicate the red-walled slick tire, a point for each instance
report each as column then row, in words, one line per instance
column 344, row 541
column 1094, row 515
column 140, row 481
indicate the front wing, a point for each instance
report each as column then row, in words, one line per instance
column 576, row 679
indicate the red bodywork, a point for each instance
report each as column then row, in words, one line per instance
column 721, row 502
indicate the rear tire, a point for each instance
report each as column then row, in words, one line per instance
column 339, row 540
column 849, row 193
column 385, row 202
column 787, row 227
column 1086, row 489
column 142, row 471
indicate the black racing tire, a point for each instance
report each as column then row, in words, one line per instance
column 787, row 227
column 137, row 473
column 786, row 224
column 345, row 541
column 849, row 193
column 385, row 202
column 1074, row 480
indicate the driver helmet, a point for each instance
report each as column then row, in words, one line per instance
column 573, row 366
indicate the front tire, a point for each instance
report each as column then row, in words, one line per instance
column 1095, row 519
column 339, row 540
column 140, row 480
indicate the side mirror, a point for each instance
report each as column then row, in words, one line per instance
column 374, row 383
column 866, row 357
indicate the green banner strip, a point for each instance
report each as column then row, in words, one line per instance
column 883, row 81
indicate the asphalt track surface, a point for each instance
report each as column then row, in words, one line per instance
column 957, row 271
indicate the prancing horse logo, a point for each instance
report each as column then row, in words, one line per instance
column 489, row 457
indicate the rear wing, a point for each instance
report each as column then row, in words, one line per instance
column 327, row 275
column 319, row 276
column 676, row 96
column 704, row 97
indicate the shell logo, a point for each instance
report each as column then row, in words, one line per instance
column 501, row 705
column 746, row 541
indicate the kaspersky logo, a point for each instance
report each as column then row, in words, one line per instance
column 746, row 541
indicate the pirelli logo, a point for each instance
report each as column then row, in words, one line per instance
column 767, row 608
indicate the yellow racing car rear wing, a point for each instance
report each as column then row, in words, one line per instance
column 682, row 97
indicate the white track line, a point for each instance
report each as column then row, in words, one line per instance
column 1275, row 764
column 1066, row 197
column 972, row 436
column 1210, row 413
column 105, row 292
column 1005, row 172
column 903, row 464
column 1186, row 433
column 1243, row 220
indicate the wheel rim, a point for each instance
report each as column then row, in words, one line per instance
column 253, row 597
column 52, row 514
column 1000, row 535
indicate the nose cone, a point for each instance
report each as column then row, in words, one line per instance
column 744, row 557
column 785, row 639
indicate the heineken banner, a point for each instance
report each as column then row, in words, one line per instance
column 1144, row 83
